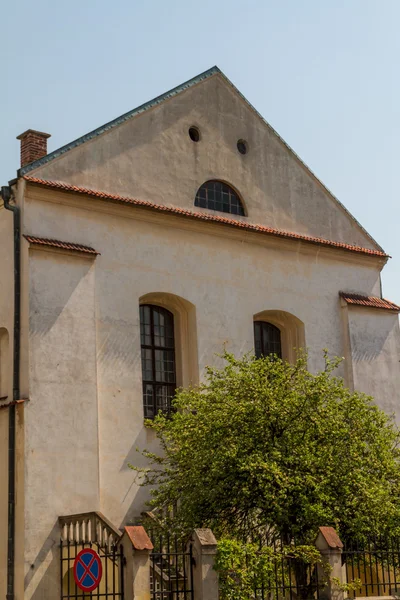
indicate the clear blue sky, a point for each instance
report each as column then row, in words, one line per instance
column 323, row 73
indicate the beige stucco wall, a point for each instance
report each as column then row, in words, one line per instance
column 85, row 419
column 151, row 157
column 6, row 321
column 375, row 350
column 61, row 421
column 228, row 279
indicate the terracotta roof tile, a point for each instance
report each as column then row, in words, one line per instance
column 331, row 537
column 370, row 301
column 13, row 403
column 62, row 245
column 138, row 536
column 203, row 216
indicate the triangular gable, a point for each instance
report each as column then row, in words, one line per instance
column 120, row 120
column 344, row 234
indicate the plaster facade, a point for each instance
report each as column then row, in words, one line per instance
column 151, row 157
column 80, row 363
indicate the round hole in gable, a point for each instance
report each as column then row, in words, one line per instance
column 194, row 134
column 242, row 146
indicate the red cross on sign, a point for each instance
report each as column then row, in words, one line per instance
column 87, row 570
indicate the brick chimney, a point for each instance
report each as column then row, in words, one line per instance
column 33, row 145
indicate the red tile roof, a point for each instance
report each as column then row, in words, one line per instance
column 138, row 536
column 13, row 403
column 62, row 245
column 371, row 301
column 331, row 537
column 203, row 216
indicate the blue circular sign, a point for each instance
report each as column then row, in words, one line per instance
column 87, row 570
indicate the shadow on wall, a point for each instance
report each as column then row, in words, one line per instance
column 145, row 439
column 187, row 373
column 118, row 344
column 119, row 340
column 370, row 336
column 67, row 276
column 47, row 582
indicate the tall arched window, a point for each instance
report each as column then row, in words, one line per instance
column 216, row 195
column 267, row 339
column 158, row 359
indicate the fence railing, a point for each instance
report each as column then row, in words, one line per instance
column 171, row 568
column 292, row 580
column 91, row 530
column 373, row 567
column 368, row 569
column 88, row 527
column 273, row 570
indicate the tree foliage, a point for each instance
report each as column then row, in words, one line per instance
column 246, row 569
column 264, row 445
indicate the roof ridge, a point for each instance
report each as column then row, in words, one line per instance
column 203, row 216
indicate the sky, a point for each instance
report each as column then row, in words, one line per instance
column 323, row 73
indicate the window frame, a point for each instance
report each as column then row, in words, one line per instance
column 262, row 325
column 170, row 385
column 230, row 190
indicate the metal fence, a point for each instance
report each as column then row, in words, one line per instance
column 369, row 569
column 275, row 573
column 292, row 580
column 171, row 568
column 373, row 567
column 91, row 530
column 111, row 586
column 277, row 569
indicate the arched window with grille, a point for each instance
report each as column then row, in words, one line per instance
column 157, row 341
column 267, row 339
column 220, row 196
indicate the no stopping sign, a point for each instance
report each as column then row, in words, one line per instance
column 87, row 570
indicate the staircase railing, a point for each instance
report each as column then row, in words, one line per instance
column 89, row 527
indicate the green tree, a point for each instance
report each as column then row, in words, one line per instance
column 264, row 447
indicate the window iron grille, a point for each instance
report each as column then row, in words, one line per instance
column 158, row 359
column 267, row 339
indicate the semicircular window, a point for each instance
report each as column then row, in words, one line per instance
column 217, row 195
